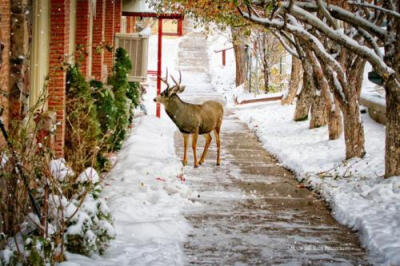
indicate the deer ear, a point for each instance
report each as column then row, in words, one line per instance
column 181, row 89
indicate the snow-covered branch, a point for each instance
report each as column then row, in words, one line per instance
column 371, row 41
column 322, row 7
column 312, row 41
column 387, row 11
column 341, row 14
column 339, row 37
column 285, row 45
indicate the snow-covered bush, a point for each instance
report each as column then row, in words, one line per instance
column 62, row 209
column 80, row 222
column 91, row 228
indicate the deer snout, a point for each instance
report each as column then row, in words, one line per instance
column 157, row 99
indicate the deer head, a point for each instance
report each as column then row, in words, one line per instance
column 170, row 91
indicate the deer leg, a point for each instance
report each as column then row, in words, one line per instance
column 206, row 146
column 218, row 141
column 185, row 142
column 194, row 145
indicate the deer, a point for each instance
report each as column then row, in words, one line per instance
column 192, row 119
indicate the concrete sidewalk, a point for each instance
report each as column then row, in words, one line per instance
column 251, row 210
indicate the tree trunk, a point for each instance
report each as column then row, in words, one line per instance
column 353, row 127
column 353, row 131
column 19, row 56
column 304, row 101
column 295, row 80
column 240, row 56
column 392, row 147
column 392, row 58
column 266, row 77
column 335, row 125
column 335, row 121
column 319, row 114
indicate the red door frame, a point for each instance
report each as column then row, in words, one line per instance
column 159, row 48
column 159, row 64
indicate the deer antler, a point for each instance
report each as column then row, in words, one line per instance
column 166, row 79
column 180, row 79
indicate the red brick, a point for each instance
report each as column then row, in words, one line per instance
column 98, row 40
column 118, row 15
column 109, row 33
column 59, row 47
column 83, row 13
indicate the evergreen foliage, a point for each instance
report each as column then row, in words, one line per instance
column 106, row 106
column 82, row 130
column 124, row 96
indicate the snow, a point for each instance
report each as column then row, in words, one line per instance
column 60, row 170
column 146, row 31
column 6, row 255
column 143, row 191
column 371, row 91
column 356, row 191
column 89, row 175
column 221, row 76
column 3, row 160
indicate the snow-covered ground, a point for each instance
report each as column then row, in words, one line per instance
column 147, row 199
column 357, row 192
column 143, row 191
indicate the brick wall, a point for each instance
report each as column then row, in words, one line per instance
column 118, row 15
column 109, row 34
column 98, row 40
column 59, row 47
column 82, row 39
column 5, row 66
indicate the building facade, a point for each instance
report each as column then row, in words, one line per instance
column 39, row 38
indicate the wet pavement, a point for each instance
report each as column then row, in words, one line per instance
column 250, row 210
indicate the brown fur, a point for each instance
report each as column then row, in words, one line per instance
column 193, row 119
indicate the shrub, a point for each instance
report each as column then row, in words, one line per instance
column 82, row 129
column 121, row 87
column 106, row 106
column 80, row 222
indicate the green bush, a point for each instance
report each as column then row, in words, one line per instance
column 121, row 89
column 106, row 106
column 82, row 130
column 134, row 95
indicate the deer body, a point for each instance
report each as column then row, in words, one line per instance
column 193, row 119
column 190, row 118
